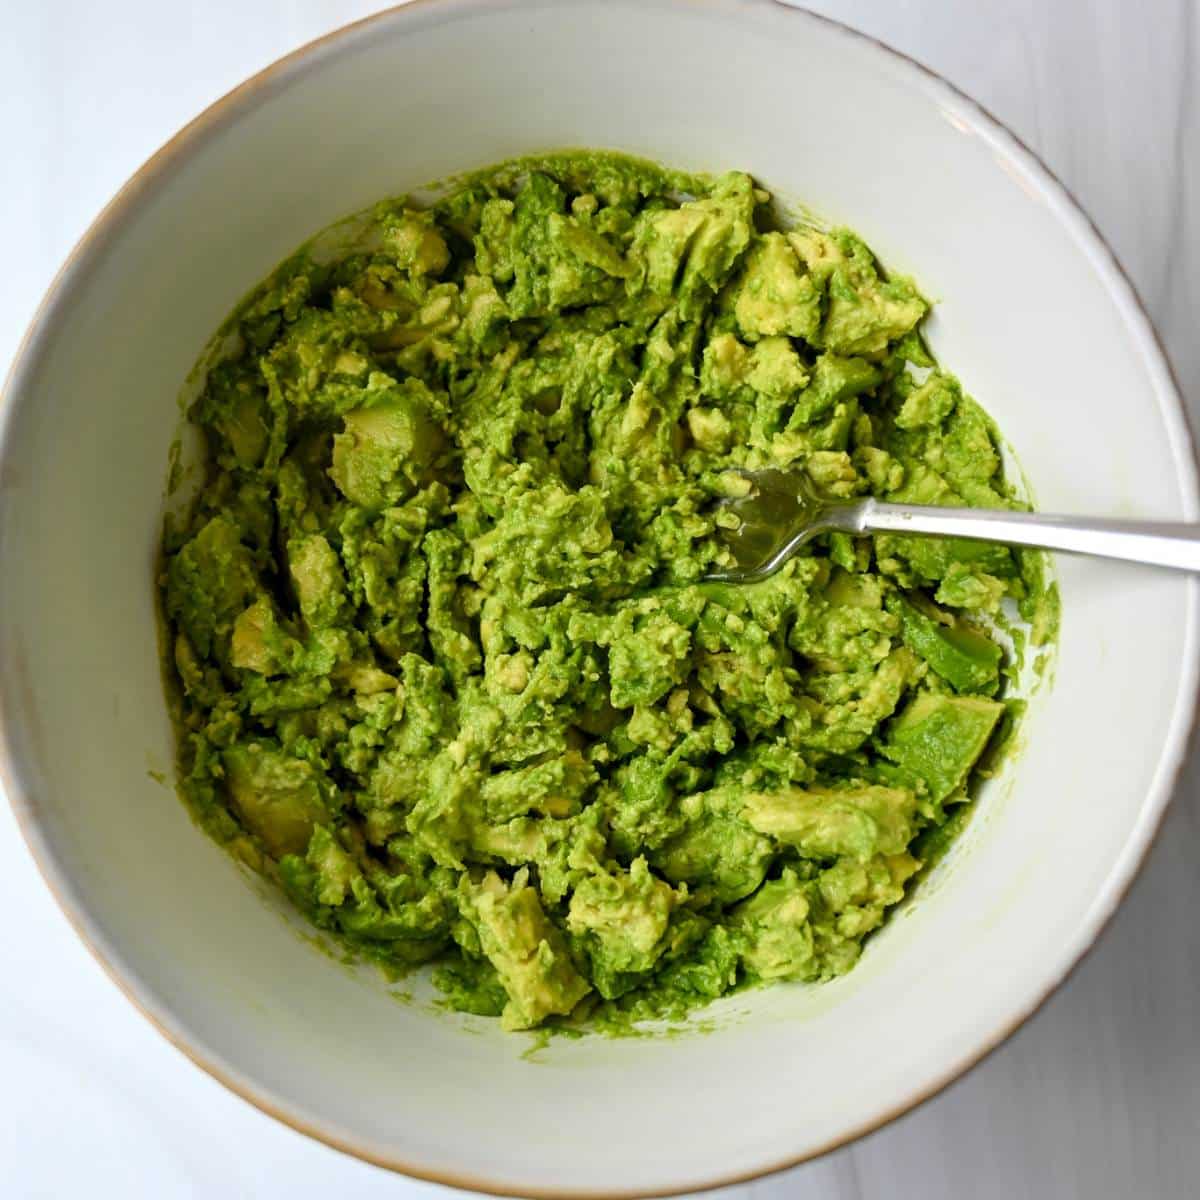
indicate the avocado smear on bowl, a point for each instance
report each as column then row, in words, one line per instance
column 441, row 658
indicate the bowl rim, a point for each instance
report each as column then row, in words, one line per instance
column 254, row 91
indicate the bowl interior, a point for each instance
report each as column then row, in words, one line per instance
column 1033, row 316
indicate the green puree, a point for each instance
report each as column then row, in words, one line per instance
column 445, row 668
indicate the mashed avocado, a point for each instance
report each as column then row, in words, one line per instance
column 444, row 663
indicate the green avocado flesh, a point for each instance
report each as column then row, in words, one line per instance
column 442, row 658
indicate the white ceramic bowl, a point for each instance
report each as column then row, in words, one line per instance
column 1034, row 314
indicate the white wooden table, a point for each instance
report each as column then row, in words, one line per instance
column 1098, row 1097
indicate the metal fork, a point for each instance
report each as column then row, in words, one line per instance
column 781, row 512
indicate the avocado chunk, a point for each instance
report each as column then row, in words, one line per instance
column 864, row 312
column 835, row 378
column 691, row 251
column 317, row 577
column 210, row 580
column 409, row 916
column 336, row 872
column 647, row 666
column 820, row 252
column 244, row 425
column 621, row 921
column 553, row 787
column 385, row 450
column 717, row 848
column 965, row 658
column 857, row 821
column 527, row 951
column 277, row 797
column 938, row 739
column 778, row 936
column 254, row 643
column 862, row 320
column 856, row 895
column 774, row 296
column 416, row 245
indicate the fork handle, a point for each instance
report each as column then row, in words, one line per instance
column 1161, row 543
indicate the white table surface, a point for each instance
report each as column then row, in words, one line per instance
column 1098, row 1096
